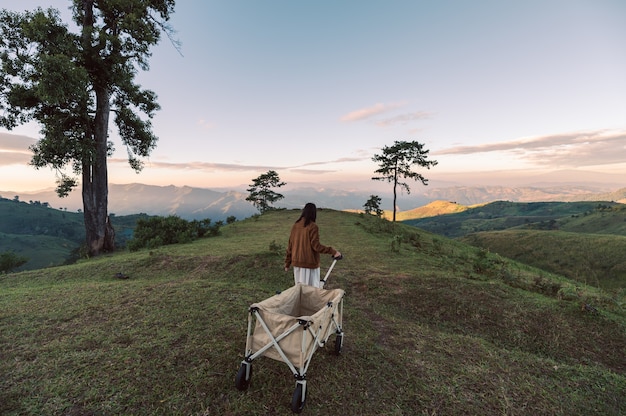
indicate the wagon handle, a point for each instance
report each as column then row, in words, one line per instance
column 330, row 269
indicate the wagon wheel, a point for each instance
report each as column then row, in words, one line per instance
column 240, row 381
column 338, row 343
column 297, row 401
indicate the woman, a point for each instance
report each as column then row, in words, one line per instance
column 303, row 251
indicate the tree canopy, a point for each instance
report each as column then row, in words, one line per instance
column 396, row 163
column 70, row 83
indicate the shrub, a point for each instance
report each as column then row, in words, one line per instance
column 488, row 264
column 204, row 227
column 276, row 248
column 159, row 231
column 396, row 242
column 545, row 286
column 10, row 261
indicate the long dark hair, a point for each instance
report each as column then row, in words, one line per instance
column 309, row 213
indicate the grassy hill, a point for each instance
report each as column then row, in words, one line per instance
column 432, row 326
column 431, row 209
column 604, row 220
column 49, row 237
column 583, row 241
column 499, row 215
column 593, row 259
column 46, row 236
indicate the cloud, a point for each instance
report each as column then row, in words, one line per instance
column 205, row 125
column 14, row 149
column 15, row 142
column 14, row 158
column 369, row 112
column 312, row 171
column 235, row 167
column 404, row 118
column 340, row 160
column 202, row 166
column 575, row 149
column 379, row 109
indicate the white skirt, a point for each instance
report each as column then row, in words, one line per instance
column 306, row 276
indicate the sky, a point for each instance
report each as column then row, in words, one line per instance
column 314, row 89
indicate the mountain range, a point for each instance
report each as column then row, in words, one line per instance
column 219, row 204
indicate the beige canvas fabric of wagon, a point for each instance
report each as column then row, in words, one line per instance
column 282, row 311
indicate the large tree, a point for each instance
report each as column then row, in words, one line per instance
column 396, row 163
column 261, row 194
column 71, row 82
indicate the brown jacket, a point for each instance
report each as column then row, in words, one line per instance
column 304, row 246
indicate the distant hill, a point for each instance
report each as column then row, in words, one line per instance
column 469, row 195
column 584, row 241
column 59, row 218
column 431, row 209
column 197, row 203
column 186, row 202
column 501, row 215
column 598, row 221
column 200, row 203
column 48, row 236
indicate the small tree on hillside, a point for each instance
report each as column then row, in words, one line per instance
column 261, row 194
column 395, row 164
column 372, row 206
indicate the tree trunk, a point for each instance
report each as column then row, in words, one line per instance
column 395, row 186
column 394, row 201
column 99, row 233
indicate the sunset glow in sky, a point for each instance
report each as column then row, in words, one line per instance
column 313, row 89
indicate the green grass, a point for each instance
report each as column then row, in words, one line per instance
column 593, row 259
column 432, row 327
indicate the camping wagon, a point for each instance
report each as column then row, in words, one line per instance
column 290, row 326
